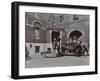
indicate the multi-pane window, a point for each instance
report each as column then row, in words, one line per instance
column 37, row 49
column 37, row 26
column 37, row 34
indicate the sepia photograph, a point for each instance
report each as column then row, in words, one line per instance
column 55, row 40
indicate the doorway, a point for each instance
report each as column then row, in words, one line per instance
column 55, row 36
column 74, row 35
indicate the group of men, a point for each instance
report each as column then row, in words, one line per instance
column 78, row 47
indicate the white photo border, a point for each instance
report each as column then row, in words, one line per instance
column 52, row 70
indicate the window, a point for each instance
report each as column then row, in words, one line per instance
column 61, row 18
column 37, row 49
column 37, row 34
column 75, row 17
column 37, row 24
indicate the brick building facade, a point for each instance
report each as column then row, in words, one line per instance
column 42, row 28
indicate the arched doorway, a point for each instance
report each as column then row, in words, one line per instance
column 74, row 35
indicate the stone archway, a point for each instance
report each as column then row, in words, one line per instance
column 75, row 34
column 37, row 23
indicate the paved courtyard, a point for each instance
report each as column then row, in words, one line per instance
column 56, row 62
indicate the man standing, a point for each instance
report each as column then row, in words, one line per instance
column 58, row 48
